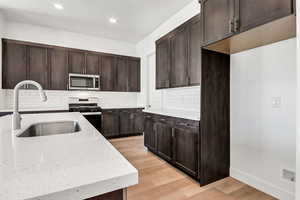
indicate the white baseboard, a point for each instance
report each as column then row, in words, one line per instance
column 261, row 185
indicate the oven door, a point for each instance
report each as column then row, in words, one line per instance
column 94, row 119
column 83, row 82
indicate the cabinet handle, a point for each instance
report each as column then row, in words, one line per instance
column 236, row 25
column 231, row 26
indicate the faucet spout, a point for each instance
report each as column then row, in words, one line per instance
column 16, row 118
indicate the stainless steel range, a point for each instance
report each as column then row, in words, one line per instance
column 89, row 108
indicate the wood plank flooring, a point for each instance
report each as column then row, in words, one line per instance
column 160, row 181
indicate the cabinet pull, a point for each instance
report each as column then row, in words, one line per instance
column 231, row 26
column 236, row 25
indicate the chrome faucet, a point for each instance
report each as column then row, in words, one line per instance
column 16, row 118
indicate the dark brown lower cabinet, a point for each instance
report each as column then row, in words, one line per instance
column 175, row 140
column 185, row 149
column 110, row 123
column 150, row 134
column 122, row 122
column 164, row 140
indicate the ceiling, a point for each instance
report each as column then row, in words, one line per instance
column 136, row 18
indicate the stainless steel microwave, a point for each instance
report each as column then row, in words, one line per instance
column 84, row 82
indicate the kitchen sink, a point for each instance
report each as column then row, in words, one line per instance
column 51, row 128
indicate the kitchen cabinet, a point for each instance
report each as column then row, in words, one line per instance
column 225, row 18
column 51, row 65
column 122, row 75
column 179, row 58
column 38, row 69
column 185, row 149
column 175, row 140
column 194, row 55
column 254, row 13
column 217, row 16
column 163, row 64
column 108, row 73
column 14, row 64
column 76, row 62
column 134, row 75
column 164, row 135
column 122, row 122
column 58, row 69
column 110, row 123
column 150, row 134
column 92, row 63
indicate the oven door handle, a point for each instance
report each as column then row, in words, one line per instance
column 91, row 113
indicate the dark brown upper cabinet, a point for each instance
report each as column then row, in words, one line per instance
column 254, row 13
column 92, row 63
column 231, row 26
column 51, row 65
column 163, row 59
column 58, row 59
column 38, row 69
column 217, row 16
column 14, row 64
column 76, row 62
column 122, row 75
column 108, row 73
column 134, row 75
column 179, row 57
column 195, row 39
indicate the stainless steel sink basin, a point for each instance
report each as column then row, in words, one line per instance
column 51, row 128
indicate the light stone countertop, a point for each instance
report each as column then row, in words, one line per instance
column 35, row 109
column 175, row 113
column 60, row 167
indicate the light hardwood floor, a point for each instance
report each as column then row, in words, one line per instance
column 160, row 181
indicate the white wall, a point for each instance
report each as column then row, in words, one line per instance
column 146, row 47
column 298, row 105
column 32, row 33
column 263, row 137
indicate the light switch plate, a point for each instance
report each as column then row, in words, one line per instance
column 276, row 102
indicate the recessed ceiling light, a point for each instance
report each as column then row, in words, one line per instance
column 58, row 6
column 113, row 20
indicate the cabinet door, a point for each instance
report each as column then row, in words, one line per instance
column 185, row 150
column 110, row 123
column 122, row 75
column 92, row 64
column 257, row 12
column 163, row 64
column 58, row 69
column 138, row 121
column 217, row 16
column 134, row 73
column 108, row 73
column 179, row 58
column 77, row 62
column 150, row 134
column 38, row 66
column 164, row 140
column 14, row 64
column 126, row 122
column 194, row 67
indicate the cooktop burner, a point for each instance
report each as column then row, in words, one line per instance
column 90, row 107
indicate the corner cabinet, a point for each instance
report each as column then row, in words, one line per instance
column 178, row 56
column 50, row 66
column 174, row 140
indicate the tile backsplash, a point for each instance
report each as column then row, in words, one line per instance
column 30, row 99
column 187, row 98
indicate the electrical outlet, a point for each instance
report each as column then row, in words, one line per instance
column 276, row 102
column 288, row 175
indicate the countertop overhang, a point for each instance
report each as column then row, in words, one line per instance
column 67, row 167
